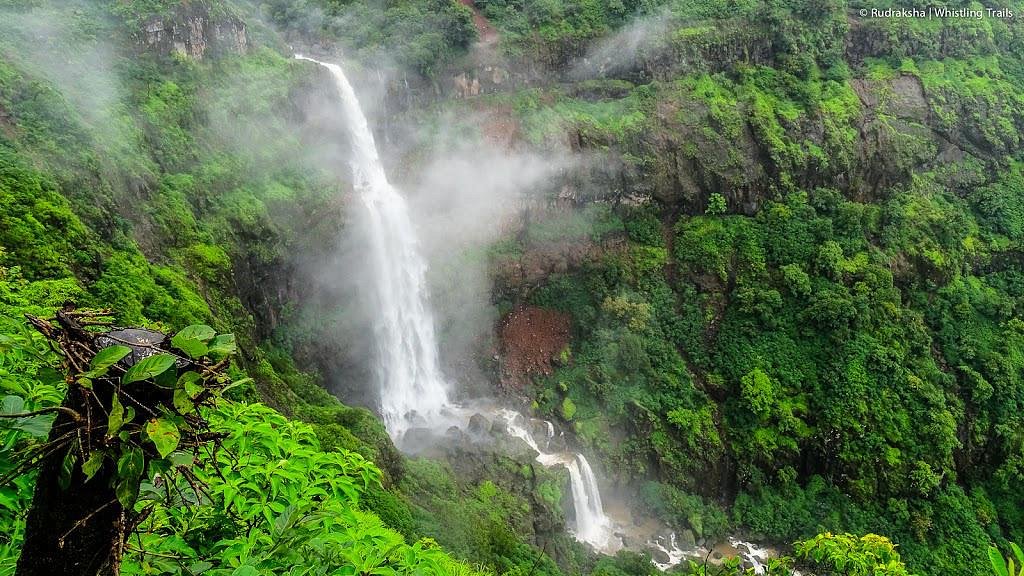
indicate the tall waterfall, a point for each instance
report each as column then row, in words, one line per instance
column 412, row 388
column 413, row 392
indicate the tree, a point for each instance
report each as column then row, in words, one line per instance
column 132, row 403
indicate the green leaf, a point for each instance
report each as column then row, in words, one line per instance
column 236, row 383
column 182, row 403
column 188, row 382
column 148, row 367
column 193, row 348
column 129, row 465
column 129, row 473
column 199, row 568
column 12, row 405
column 998, row 563
column 1018, row 553
column 116, row 419
column 200, row 332
column 50, row 376
column 192, row 340
column 164, row 434
column 246, row 571
column 166, row 379
column 67, row 468
column 223, row 345
column 38, row 426
column 91, row 466
column 127, row 491
column 181, row 459
column 106, row 358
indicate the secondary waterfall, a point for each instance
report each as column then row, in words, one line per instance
column 412, row 388
column 592, row 525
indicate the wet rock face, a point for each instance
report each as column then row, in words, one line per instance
column 194, row 30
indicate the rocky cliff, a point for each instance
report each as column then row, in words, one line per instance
column 195, row 29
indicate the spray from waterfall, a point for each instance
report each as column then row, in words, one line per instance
column 413, row 391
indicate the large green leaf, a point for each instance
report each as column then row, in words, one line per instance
column 192, row 340
column 223, row 345
column 164, row 434
column 998, row 563
column 12, row 405
column 148, row 367
column 106, row 358
column 200, row 332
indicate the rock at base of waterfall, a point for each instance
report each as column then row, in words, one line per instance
column 479, row 424
column 630, row 542
column 454, row 433
column 418, row 440
column 659, row 555
column 499, row 427
column 687, row 540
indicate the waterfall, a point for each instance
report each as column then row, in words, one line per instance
column 592, row 526
column 413, row 391
column 412, row 388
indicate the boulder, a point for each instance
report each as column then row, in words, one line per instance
column 479, row 424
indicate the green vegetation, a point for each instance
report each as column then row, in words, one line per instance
column 796, row 285
column 420, row 36
column 820, row 300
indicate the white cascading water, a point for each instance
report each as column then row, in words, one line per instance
column 412, row 388
column 592, row 525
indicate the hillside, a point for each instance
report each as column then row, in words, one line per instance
column 757, row 265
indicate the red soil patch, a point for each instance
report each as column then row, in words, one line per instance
column 531, row 338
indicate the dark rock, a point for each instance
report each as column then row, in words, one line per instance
column 659, row 555
column 479, row 424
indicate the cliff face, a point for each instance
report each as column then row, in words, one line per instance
column 193, row 29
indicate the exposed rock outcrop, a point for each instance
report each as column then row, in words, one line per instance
column 195, row 30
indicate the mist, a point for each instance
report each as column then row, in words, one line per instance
column 624, row 50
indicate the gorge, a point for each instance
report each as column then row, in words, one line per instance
column 522, row 288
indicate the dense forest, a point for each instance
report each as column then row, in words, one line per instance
column 759, row 260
